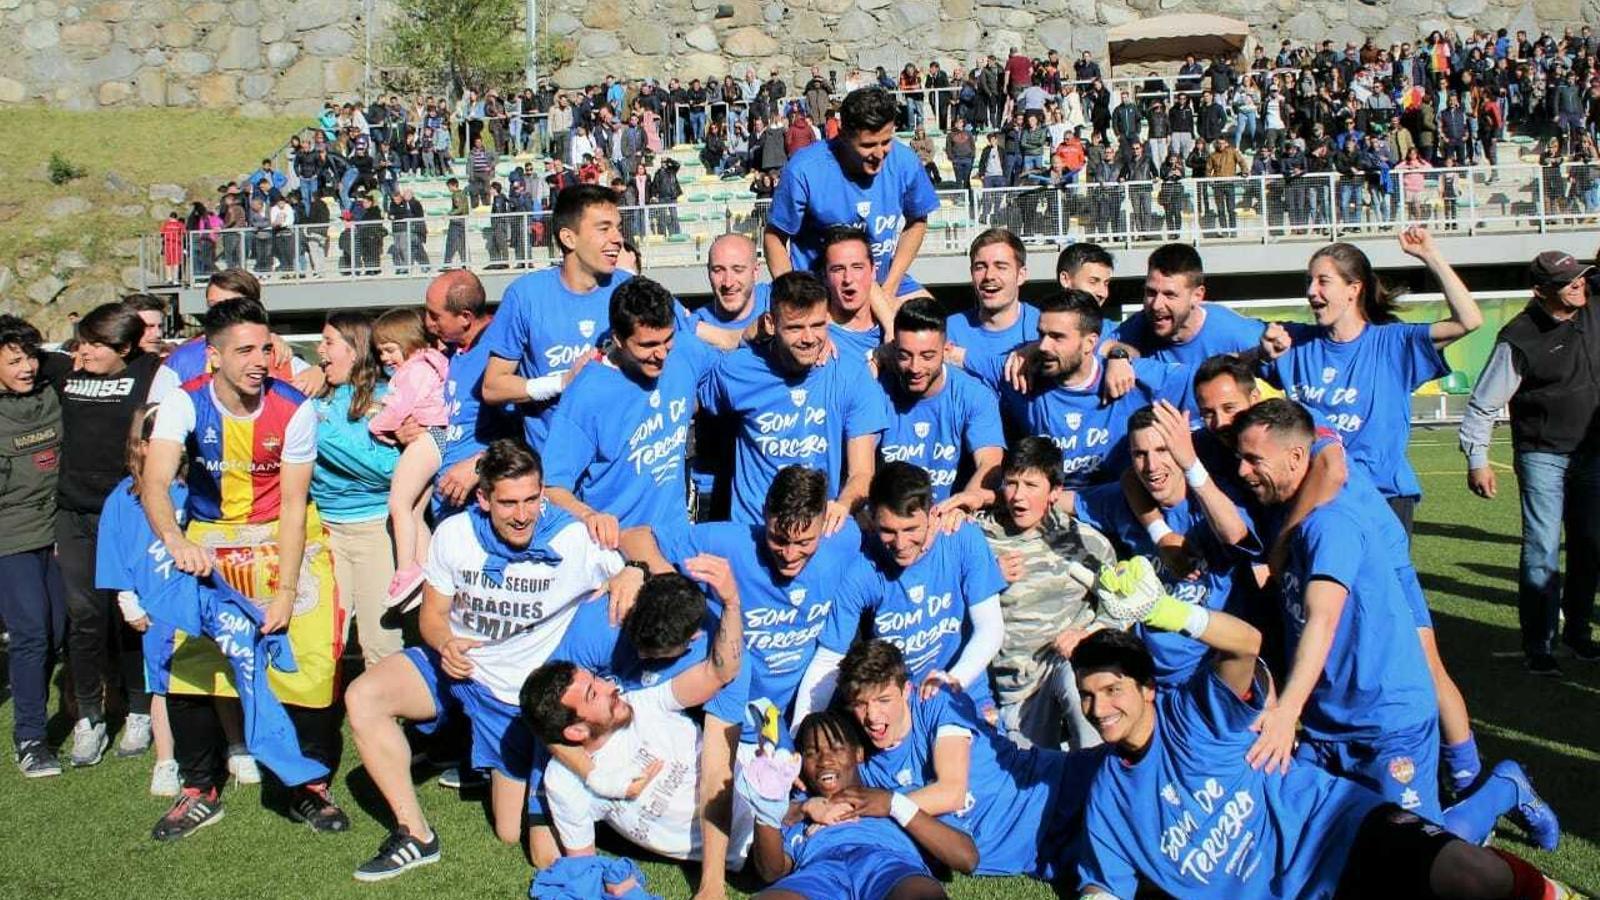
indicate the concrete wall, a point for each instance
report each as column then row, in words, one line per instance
column 289, row 55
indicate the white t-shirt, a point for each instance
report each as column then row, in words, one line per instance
column 664, row 818
column 521, row 620
column 175, row 422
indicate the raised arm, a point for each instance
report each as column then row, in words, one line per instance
column 700, row 682
column 1465, row 317
column 1222, row 515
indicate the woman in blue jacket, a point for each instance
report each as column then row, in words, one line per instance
column 350, row 484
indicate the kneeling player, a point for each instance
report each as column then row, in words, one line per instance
column 1176, row 804
column 1019, row 805
column 870, row 856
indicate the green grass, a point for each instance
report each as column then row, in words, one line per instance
column 85, row 834
column 191, row 148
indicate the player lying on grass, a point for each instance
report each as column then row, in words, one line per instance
column 1176, row 804
column 871, row 851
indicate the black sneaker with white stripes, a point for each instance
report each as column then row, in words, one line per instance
column 399, row 852
column 194, row 810
column 36, row 761
column 313, row 804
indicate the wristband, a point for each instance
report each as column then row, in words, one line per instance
column 1196, row 474
column 1199, row 619
column 902, row 809
column 1157, row 530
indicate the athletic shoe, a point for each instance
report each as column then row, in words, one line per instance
column 398, row 852
column 36, row 761
column 463, row 778
column 194, row 810
column 1585, row 648
column 405, row 582
column 89, row 742
column 313, row 804
column 136, row 736
column 1543, row 664
column 242, row 766
column 165, row 780
column 1532, row 813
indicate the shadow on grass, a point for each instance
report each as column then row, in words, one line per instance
column 1457, row 531
column 1513, row 711
column 1437, row 583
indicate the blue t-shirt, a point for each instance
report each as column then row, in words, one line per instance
column 1092, row 435
column 594, row 643
column 782, row 616
column 856, row 344
column 1222, row 331
column 760, row 299
column 1194, row 820
column 1015, row 798
column 783, row 420
column 544, row 328
column 814, row 194
column 965, row 330
column 1364, row 388
column 473, row 423
column 805, row 843
column 1375, row 679
column 922, row 609
column 939, row 432
column 124, row 539
column 1105, row 508
column 617, row 441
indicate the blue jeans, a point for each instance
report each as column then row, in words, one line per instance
column 1557, row 489
column 308, row 194
column 1349, row 200
column 1243, row 127
column 697, row 125
column 34, row 604
column 345, row 184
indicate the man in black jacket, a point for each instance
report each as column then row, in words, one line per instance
column 1546, row 366
column 410, row 232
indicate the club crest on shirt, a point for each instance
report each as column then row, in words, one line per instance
column 1402, row 769
column 915, row 592
column 864, row 208
column 1170, row 794
column 1329, row 373
column 271, row 443
column 655, row 399
column 586, row 328
column 797, row 596
column 1074, row 419
column 798, row 395
column 210, row 436
column 903, row 778
column 920, row 429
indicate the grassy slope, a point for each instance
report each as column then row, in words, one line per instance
column 146, row 146
column 74, row 836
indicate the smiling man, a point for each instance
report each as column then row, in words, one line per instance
column 503, row 581
column 549, row 322
column 998, row 320
column 616, row 453
column 863, row 178
column 1175, row 804
column 942, row 419
column 1021, row 807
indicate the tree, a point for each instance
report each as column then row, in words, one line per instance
column 462, row 42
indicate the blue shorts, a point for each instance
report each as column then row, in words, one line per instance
column 1402, row 765
column 501, row 741
column 1416, row 603
column 858, row 873
column 156, row 643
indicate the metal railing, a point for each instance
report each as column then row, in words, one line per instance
column 1323, row 206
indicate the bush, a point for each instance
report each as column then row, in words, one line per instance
column 62, row 170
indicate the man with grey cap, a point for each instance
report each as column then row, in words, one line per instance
column 1546, row 366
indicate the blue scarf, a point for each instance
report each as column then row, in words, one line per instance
column 500, row 554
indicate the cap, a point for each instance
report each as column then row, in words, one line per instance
column 1553, row 267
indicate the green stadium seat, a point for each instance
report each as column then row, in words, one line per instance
column 1455, row 384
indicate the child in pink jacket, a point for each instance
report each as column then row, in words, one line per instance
column 416, row 391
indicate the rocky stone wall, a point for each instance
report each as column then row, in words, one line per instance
column 256, row 56
column 288, row 56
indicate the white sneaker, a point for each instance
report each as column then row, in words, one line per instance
column 88, row 742
column 165, row 781
column 243, row 768
column 135, row 736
